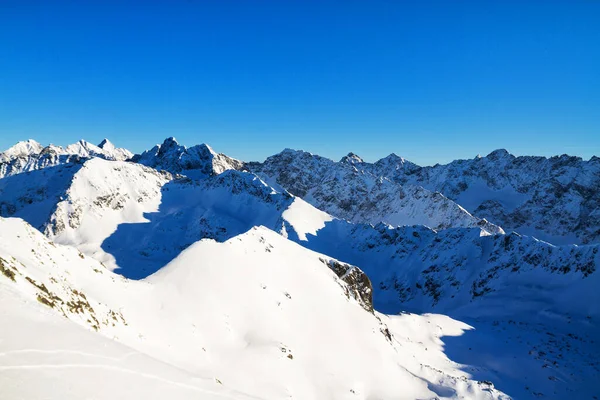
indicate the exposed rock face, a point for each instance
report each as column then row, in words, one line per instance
column 359, row 286
column 349, row 191
column 197, row 161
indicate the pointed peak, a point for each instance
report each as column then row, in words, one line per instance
column 351, row 158
column 202, row 148
column 395, row 161
column 170, row 141
column 24, row 148
column 290, row 152
column 106, row 144
column 83, row 143
column 498, row 154
column 393, row 157
column 169, row 145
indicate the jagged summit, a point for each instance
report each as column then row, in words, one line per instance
column 196, row 162
column 360, row 193
column 30, row 155
column 352, row 158
column 23, row 149
column 393, row 162
column 499, row 154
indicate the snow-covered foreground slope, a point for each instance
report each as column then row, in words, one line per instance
column 534, row 307
column 346, row 192
column 254, row 317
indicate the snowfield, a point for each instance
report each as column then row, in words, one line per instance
column 183, row 273
column 255, row 317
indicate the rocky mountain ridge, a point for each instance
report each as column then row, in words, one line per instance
column 29, row 155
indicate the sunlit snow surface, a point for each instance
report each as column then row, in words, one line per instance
column 253, row 310
column 255, row 317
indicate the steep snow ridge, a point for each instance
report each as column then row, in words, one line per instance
column 30, row 155
column 304, row 218
column 218, row 207
column 553, row 198
column 33, row 196
column 346, row 190
column 195, row 162
column 103, row 195
column 254, row 317
column 114, row 153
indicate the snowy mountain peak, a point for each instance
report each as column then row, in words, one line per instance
column 170, row 140
column 23, row 149
column 352, row 158
column 106, row 144
column 170, row 143
column 195, row 162
column 393, row 157
column 83, row 148
column 499, row 154
column 106, row 150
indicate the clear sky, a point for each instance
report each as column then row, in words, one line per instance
column 430, row 81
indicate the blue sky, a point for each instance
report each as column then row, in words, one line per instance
column 430, row 81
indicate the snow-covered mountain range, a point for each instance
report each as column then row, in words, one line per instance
column 197, row 161
column 555, row 199
column 30, row 155
column 350, row 193
column 269, row 280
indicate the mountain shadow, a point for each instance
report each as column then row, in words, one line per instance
column 191, row 211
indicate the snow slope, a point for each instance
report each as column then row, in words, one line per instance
column 254, row 317
column 534, row 307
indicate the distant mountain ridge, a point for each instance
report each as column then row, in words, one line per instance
column 345, row 191
column 198, row 161
column 554, row 199
column 29, row 155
